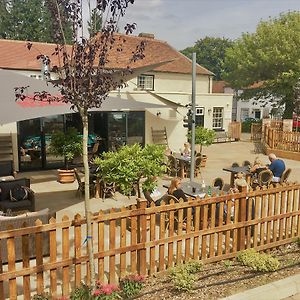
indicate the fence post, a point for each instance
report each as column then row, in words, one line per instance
column 242, row 217
column 141, row 237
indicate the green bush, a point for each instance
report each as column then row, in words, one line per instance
column 297, row 241
column 257, row 261
column 131, row 285
column 182, row 276
column 227, row 264
column 203, row 136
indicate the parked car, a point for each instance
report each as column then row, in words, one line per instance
column 296, row 121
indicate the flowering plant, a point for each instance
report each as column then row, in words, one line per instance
column 132, row 284
column 106, row 292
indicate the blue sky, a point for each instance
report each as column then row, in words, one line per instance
column 182, row 22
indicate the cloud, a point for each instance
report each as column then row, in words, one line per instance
column 147, row 3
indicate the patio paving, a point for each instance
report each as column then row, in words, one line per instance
column 63, row 199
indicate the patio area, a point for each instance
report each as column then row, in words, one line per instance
column 63, row 199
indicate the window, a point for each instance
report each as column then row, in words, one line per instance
column 217, row 118
column 257, row 114
column 146, row 82
column 244, row 114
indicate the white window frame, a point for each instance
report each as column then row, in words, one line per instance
column 218, row 117
column 145, row 82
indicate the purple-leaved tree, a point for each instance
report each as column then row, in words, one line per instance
column 82, row 72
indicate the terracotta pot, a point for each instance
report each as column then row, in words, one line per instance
column 203, row 161
column 66, row 176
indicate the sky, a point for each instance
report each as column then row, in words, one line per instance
column 182, row 22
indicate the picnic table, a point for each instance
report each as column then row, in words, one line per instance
column 235, row 170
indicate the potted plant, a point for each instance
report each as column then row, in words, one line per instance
column 69, row 145
column 203, row 137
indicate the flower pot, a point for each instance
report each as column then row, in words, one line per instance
column 203, row 161
column 66, row 176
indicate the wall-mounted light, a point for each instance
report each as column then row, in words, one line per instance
column 209, row 111
column 158, row 114
column 227, row 104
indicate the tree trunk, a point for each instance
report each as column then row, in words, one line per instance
column 88, row 213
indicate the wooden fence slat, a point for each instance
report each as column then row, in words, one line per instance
column 39, row 258
column 171, row 234
column 257, row 205
column 1, row 271
column 212, row 236
column 77, row 249
column 53, row 258
column 112, row 245
column 189, row 225
column 204, row 226
column 275, row 222
column 220, row 223
column 269, row 213
column 26, row 264
column 161, row 250
column 65, row 255
column 133, row 241
column 179, row 232
column 282, row 209
column 262, row 225
column 228, row 221
column 236, row 220
column 197, row 227
column 152, row 238
column 142, row 237
column 294, row 208
column 288, row 209
column 101, row 238
column 123, row 244
column 249, row 229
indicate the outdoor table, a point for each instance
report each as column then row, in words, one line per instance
column 183, row 160
column 235, row 170
column 187, row 188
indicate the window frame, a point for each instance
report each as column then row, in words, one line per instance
column 219, row 118
column 143, row 88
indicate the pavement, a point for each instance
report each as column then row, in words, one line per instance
column 284, row 289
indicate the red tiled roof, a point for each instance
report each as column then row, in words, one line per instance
column 14, row 55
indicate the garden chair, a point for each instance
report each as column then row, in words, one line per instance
column 108, row 189
column 285, row 175
column 81, row 186
column 218, row 182
column 246, row 163
column 173, row 166
column 265, row 178
column 235, row 165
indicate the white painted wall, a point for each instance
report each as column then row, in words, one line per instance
column 176, row 88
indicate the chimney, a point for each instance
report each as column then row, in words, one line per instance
column 147, row 35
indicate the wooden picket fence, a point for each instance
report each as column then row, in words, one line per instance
column 256, row 131
column 281, row 140
column 148, row 240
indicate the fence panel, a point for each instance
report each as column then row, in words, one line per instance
column 146, row 240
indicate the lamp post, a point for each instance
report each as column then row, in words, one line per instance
column 193, row 117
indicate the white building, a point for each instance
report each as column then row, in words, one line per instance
column 169, row 84
column 244, row 109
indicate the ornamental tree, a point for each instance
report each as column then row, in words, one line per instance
column 266, row 64
column 203, row 136
column 82, row 72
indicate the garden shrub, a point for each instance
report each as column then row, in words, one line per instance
column 83, row 293
column 182, row 276
column 106, row 292
column 132, row 284
column 257, row 261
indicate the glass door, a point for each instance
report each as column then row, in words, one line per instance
column 51, row 125
column 117, row 129
column 30, row 144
